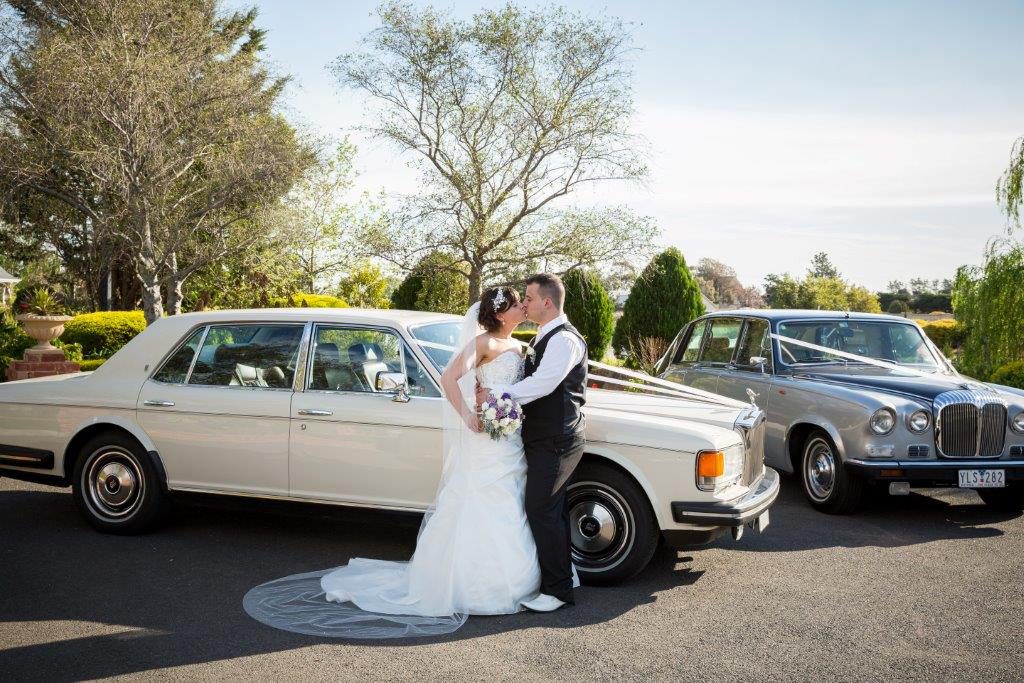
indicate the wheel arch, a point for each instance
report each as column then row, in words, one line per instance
column 796, row 437
column 99, row 425
column 600, row 456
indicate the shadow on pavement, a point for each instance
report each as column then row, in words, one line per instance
column 882, row 521
column 174, row 597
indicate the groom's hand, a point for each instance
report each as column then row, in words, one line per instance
column 482, row 394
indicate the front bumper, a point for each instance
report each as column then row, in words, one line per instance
column 932, row 473
column 733, row 513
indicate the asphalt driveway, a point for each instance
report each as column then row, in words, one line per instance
column 921, row 587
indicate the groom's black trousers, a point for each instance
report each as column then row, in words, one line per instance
column 550, row 462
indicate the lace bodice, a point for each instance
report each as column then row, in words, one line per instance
column 506, row 368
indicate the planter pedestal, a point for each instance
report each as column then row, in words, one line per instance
column 40, row 363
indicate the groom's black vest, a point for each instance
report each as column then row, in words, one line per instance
column 561, row 411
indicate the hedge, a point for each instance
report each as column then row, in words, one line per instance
column 946, row 334
column 13, row 342
column 303, row 300
column 91, row 364
column 1011, row 374
column 102, row 334
column 524, row 335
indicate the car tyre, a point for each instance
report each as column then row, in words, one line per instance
column 614, row 531
column 116, row 485
column 829, row 487
column 1003, row 500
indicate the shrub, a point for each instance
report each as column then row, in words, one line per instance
column 431, row 286
column 524, row 335
column 13, row 342
column 91, row 364
column 946, row 334
column 663, row 299
column 898, row 307
column 1010, row 374
column 302, row 300
column 590, row 310
column 102, row 334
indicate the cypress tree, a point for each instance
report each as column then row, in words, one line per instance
column 590, row 310
column 663, row 299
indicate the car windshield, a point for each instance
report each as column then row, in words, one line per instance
column 889, row 342
column 438, row 341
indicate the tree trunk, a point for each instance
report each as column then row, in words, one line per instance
column 149, row 277
column 475, row 277
column 174, row 295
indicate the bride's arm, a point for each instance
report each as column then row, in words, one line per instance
column 461, row 364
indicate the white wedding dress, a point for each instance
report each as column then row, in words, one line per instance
column 475, row 553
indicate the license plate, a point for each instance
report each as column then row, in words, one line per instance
column 761, row 523
column 982, row 479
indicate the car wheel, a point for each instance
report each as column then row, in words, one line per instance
column 614, row 533
column 827, row 484
column 1003, row 500
column 116, row 485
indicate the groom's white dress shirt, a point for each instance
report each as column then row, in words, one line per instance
column 563, row 352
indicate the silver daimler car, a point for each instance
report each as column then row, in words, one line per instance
column 854, row 397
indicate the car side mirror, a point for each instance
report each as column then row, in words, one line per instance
column 760, row 362
column 394, row 382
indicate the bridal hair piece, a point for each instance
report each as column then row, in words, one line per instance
column 499, row 299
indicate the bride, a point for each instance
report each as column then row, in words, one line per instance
column 474, row 553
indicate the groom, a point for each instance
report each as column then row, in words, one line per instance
column 552, row 395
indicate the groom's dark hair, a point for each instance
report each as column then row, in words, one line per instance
column 550, row 285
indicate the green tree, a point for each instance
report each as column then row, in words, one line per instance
column 822, row 267
column 505, row 113
column 154, row 120
column 434, row 284
column 989, row 303
column 365, row 287
column 590, row 310
column 782, row 291
column 664, row 298
column 1010, row 188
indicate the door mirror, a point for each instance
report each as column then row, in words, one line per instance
column 396, row 382
column 759, row 362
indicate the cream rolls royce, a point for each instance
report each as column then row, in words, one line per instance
column 343, row 406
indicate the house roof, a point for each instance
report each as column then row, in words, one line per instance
column 7, row 277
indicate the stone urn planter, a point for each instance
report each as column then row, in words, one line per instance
column 43, row 328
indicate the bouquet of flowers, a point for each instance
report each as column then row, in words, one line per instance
column 501, row 416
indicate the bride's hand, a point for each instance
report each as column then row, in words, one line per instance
column 474, row 423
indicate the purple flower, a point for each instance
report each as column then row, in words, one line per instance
column 514, row 415
column 506, row 395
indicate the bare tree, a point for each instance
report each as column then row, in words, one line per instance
column 506, row 113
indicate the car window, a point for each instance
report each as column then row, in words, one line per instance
column 895, row 342
column 248, row 356
column 175, row 370
column 350, row 358
column 688, row 352
column 722, row 340
column 754, row 343
column 420, row 383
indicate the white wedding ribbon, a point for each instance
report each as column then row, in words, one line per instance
column 856, row 357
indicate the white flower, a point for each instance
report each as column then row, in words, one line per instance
column 490, row 413
column 503, row 421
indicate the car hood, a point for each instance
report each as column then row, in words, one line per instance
column 895, row 382
column 625, row 402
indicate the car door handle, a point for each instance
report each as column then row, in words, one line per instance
column 161, row 404
column 315, row 411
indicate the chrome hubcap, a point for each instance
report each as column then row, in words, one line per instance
column 114, row 482
column 820, row 470
column 601, row 526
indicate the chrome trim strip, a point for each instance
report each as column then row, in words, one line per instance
column 296, row 499
column 937, row 464
column 195, row 356
column 299, row 380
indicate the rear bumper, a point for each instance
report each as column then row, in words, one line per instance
column 932, row 473
column 733, row 513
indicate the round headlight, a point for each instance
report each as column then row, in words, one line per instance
column 882, row 421
column 1018, row 422
column 919, row 421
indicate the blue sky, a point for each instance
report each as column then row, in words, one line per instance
column 874, row 131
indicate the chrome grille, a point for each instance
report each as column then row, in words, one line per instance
column 919, row 450
column 970, row 424
column 752, row 428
